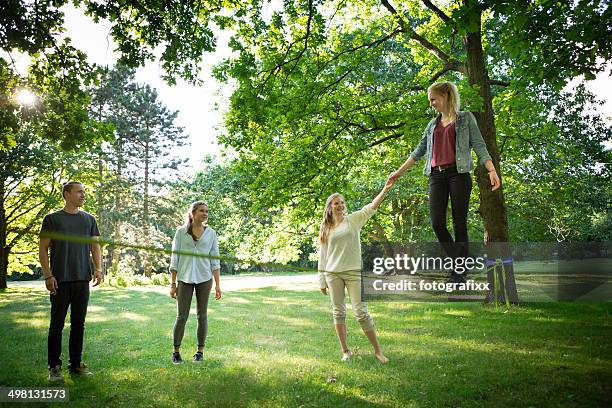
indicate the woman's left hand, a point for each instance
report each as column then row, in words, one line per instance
column 495, row 183
column 217, row 292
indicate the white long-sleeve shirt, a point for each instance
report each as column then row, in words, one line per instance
column 343, row 249
column 194, row 269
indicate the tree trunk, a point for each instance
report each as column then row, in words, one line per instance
column 116, row 216
column 100, row 195
column 4, row 250
column 99, row 192
column 145, row 215
column 492, row 206
column 4, row 258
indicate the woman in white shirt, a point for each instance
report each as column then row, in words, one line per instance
column 340, row 265
column 193, row 273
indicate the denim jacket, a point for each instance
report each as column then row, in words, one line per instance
column 468, row 136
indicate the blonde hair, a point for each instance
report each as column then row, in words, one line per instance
column 189, row 217
column 449, row 90
column 328, row 218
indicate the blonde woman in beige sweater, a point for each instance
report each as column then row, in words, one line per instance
column 340, row 265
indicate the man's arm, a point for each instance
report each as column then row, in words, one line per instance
column 43, row 257
column 96, row 253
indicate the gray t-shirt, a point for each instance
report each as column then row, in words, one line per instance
column 70, row 261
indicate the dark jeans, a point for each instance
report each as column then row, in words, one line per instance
column 457, row 186
column 76, row 295
column 184, row 293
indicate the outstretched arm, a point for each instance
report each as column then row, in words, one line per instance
column 381, row 196
column 417, row 154
column 398, row 173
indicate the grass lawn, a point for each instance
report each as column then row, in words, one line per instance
column 277, row 348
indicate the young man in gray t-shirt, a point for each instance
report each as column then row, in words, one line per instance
column 68, row 274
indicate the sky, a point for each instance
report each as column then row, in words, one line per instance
column 195, row 104
column 201, row 108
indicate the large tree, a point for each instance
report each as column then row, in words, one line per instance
column 32, row 166
column 558, row 169
column 177, row 33
column 326, row 86
column 141, row 157
column 156, row 136
column 31, row 173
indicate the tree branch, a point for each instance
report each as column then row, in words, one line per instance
column 366, row 45
column 270, row 73
column 303, row 50
column 437, row 52
column 12, row 217
column 378, row 128
column 499, row 83
column 384, row 139
column 449, row 66
column 17, row 182
column 449, row 63
column 28, row 228
column 20, row 200
column 436, row 10
column 438, row 74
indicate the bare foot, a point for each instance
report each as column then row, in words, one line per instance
column 381, row 358
column 346, row 355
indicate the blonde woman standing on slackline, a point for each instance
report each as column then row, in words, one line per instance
column 340, row 265
column 446, row 145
